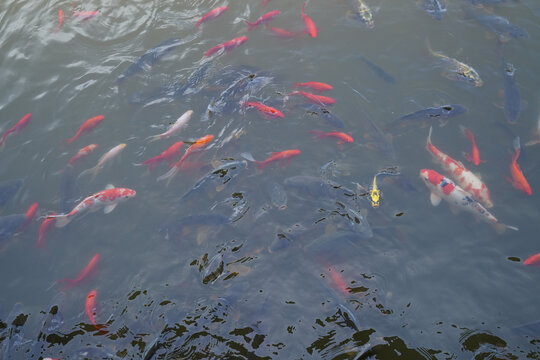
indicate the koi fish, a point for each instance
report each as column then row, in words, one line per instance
column 86, row 126
column 167, row 155
column 456, row 70
column 434, row 8
column 267, row 111
column 498, row 25
column 45, row 226
column 82, row 153
column 212, row 14
column 317, row 86
column 363, row 13
column 337, row 281
column 263, row 19
column 90, row 308
column 282, row 33
column 104, row 159
column 316, row 99
column 474, row 156
column 342, row 137
column 375, row 193
column 197, row 146
column 441, row 187
column 380, row 72
column 228, row 46
column 533, row 260
column 30, row 213
column 175, row 128
column 431, row 114
column 60, row 19
column 465, row 178
column 87, row 271
column 83, row 15
column 284, row 157
column 311, row 29
column 518, row 179
column 107, row 199
column 15, row 129
column 512, row 97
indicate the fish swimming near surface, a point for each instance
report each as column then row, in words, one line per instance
column 432, row 114
column 435, row 8
column 533, row 260
column 150, row 57
column 464, row 177
column 278, row 195
column 82, row 153
column 212, row 14
column 107, row 199
column 86, row 126
column 175, row 128
column 314, row 85
column 90, row 308
column 456, row 70
column 227, row 46
column 267, row 111
column 380, row 72
column 442, row 188
column 512, row 97
column 362, row 12
column 43, row 229
column 311, row 29
column 474, row 156
column 15, row 129
column 342, row 137
column 517, row 178
column 167, row 155
column 324, row 113
column 498, row 25
column 263, row 19
column 103, row 160
column 8, row 189
column 315, row 99
column 316, row 188
column 283, row 33
column 88, row 270
column 375, row 193
column 282, row 157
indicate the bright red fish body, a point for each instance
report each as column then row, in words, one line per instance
column 82, row 153
column 533, row 260
column 45, row 226
column 284, row 157
column 342, row 137
column 267, row 111
column 518, row 180
column 90, row 308
column 212, row 14
column 314, row 85
column 228, row 46
column 86, row 272
column 16, row 128
column 337, row 281
column 311, row 29
column 167, row 155
column 30, row 213
column 316, row 99
column 263, row 19
column 86, row 126
column 474, row 156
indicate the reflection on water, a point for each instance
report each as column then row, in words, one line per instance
column 292, row 222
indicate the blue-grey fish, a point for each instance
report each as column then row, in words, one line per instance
column 456, row 70
column 278, row 196
column 10, row 225
column 439, row 113
column 379, row 138
column 380, row 72
column 8, row 189
column 357, row 222
column 324, row 113
column 435, row 8
column 498, row 25
column 315, row 188
column 512, row 98
column 150, row 57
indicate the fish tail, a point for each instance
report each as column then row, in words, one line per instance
column 60, row 220
column 153, row 138
column 500, row 228
column 532, row 142
column 251, row 25
column 151, row 163
column 303, row 7
column 168, row 175
column 261, row 165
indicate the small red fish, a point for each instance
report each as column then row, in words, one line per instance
column 284, row 157
column 167, row 155
column 263, row 19
column 16, row 128
column 86, row 272
column 267, row 111
column 317, row 86
column 212, row 14
column 316, row 99
column 337, row 281
column 228, row 46
column 474, row 156
column 45, row 226
column 90, row 308
column 282, row 33
column 533, row 260
column 82, row 153
column 60, row 19
column 311, row 29
column 86, row 126
column 30, row 213
column 342, row 137
column 518, row 180
column 83, row 15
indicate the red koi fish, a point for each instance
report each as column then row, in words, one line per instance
column 284, row 158
column 86, row 272
column 60, row 19
column 533, row 260
column 311, row 29
column 212, row 14
column 198, row 145
column 474, row 156
column 316, row 99
column 86, row 126
column 16, row 128
column 518, row 179
column 107, row 199
column 30, row 213
column 228, row 46
column 167, row 155
column 263, row 19
column 337, row 281
column 83, row 15
column 90, row 308
column 342, row 137
column 317, row 86
column 82, row 153
column 45, row 226
column 464, row 177
column 282, row 33
column 267, row 111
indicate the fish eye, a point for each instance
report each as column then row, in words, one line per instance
column 447, row 108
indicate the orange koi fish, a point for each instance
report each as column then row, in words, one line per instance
column 86, row 126
column 282, row 33
column 342, row 137
column 60, row 19
column 317, row 86
column 212, row 14
column 90, row 308
column 337, row 281
column 228, row 46
column 533, row 260
column 30, row 213
column 83, row 15
column 82, row 153
column 16, row 128
column 263, row 19
column 267, row 111
column 284, row 157
column 167, row 155
column 45, row 226
column 474, row 156
column 518, row 179
column 316, row 99
column 86, row 272
column 311, row 29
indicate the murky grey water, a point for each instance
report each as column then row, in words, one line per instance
column 227, row 261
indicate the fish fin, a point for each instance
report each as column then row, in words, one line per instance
column 109, row 186
column 60, row 220
column 435, row 199
column 107, row 209
column 247, row 156
column 168, row 175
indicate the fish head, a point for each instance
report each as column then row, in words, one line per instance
column 509, row 69
column 469, row 75
column 127, row 194
column 431, row 178
column 454, row 109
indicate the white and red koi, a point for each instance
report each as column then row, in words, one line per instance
column 45, row 226
column 263, row 19
column 212, row 14
column 474, row 156
column 167, row 155
column 88, row 270
column 175, row 128
column 461, row 175
column 311, row 29
column 16, row 128
column 518, row 180
column 228, row 45
column 106, row 199
column 441, row 188
column 104, row 159
column 86, row 126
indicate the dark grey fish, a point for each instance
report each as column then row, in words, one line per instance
column 378, row 70
column 380, row 139
column 312, row 187
column 434, row 8
column 512, row 98
column 10, row 225
column 324, row 113
column 277, row 194
column 439, row 113
column 8, row 189
column 498, row 25
column 67, row 190
column 150, row 57
column 357, row 222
